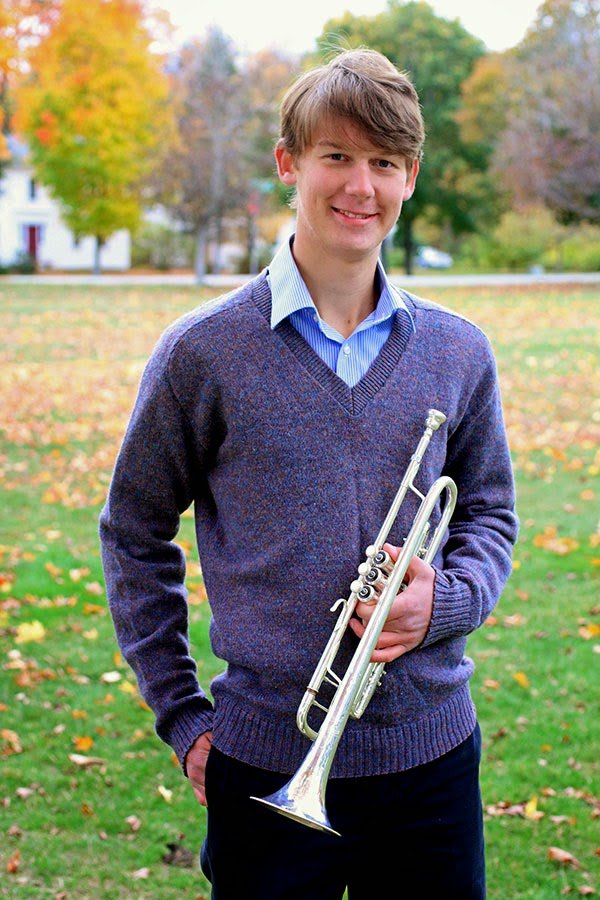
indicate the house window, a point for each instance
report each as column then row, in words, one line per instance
column 32, row 189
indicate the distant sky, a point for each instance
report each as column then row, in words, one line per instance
column 294, row 26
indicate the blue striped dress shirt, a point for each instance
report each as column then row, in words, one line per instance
column 347, row 357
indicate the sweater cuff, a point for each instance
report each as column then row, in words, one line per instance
column 185, row 728
column 451, row 610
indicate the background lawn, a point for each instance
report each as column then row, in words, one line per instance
column 92, row 804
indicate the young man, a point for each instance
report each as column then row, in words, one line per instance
column 287, row 413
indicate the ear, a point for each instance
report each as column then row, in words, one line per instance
column 411, row 180
column 285, row 164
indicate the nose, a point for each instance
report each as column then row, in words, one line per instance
column 360, row 182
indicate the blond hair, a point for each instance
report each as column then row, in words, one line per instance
column 364, row 87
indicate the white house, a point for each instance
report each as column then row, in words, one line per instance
column 31, row 224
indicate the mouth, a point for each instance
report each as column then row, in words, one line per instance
column 347, row 213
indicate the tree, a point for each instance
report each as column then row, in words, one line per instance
column 221, row 159
column 550, row 148
column 23, row 23
column 92, row 112
column 199, row 173
column 267, row 74
column 438, row 55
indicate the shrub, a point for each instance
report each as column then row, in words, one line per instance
column 160, row 247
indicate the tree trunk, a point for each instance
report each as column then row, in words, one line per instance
column 408, row 246
column 200, row 259
column 97, row 250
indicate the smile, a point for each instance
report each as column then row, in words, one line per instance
column 353, row 215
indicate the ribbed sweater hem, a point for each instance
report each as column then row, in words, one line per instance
column 253, row 737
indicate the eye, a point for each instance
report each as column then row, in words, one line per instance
column 384, row 164
column 337, row 157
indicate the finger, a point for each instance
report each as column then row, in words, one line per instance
column 200, row 795
column 390, row 653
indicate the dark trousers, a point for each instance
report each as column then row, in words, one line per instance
column 415, row 834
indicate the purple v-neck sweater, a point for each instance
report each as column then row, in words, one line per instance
column 291, row 474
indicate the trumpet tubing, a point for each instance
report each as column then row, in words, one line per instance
column 380, row 580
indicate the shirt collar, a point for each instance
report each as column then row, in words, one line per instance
column 290, row 294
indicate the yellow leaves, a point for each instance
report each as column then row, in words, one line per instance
column 522, row 679
column 587, row 632
column 30, row 631
column 550, row 540
column 531, row 810
column 165, row 793
column 82, row 743
column 93, row 609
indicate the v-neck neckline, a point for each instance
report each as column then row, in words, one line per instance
column 353, row 399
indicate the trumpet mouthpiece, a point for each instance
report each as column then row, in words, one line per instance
column 435, row 418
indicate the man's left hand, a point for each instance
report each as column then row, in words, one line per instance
column 409, row 617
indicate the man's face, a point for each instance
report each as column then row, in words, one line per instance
column 349, row 192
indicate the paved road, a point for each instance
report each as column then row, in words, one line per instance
column 227, row 281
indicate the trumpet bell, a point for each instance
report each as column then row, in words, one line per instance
column 307, row 810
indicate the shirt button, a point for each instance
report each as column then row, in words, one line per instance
column 346, row 350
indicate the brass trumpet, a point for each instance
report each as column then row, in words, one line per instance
column 380, row 580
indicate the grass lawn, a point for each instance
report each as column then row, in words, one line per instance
column 92, row 804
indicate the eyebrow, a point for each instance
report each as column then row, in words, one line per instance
column 343, row 148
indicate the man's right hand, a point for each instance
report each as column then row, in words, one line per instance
column 195, row 764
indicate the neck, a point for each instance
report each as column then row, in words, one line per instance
column 344, row 291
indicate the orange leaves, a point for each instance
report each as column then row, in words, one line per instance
column 9, row 742
column 522, row 680
column 550, row 540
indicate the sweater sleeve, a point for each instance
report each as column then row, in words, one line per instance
column 476, row 559
column 156, row 477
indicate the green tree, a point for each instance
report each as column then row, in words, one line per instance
column 438, row 55
column 92, row 113
column 550, row 148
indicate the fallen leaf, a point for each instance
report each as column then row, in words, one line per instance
column 140, row 873
column 165, row 793
column 521, row 678
column 531, row 811
column 83, row 742
column 86, row 761
column 110, row 677
column 587, row 632
column 134, row 823
column 563, row 857
column 30, row 631
column 11, row 738
column 179, row 855
column 12, row 866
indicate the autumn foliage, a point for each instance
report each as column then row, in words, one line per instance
column 93, row 111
